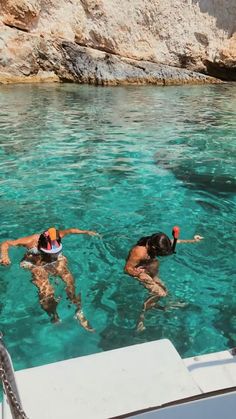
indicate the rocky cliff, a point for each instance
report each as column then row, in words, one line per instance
column 118, row 41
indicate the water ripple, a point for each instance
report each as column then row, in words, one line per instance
column 125, row 162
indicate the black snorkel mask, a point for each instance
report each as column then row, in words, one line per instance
column 160, row 244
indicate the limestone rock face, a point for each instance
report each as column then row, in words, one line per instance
column 21, row 14
column 87, row 65
column 38, row 37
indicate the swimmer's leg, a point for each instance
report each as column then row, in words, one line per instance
column 147, row 305
column 163, row 290
column 67, row 277
column 158, row 290
column 150, row 302
column 162, row 285
column 46, row 292
column 153, row 284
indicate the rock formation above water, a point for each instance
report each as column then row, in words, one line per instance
column 110, row 42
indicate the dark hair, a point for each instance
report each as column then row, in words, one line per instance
column 44, row 240
column 159, row 244
column 143, row 241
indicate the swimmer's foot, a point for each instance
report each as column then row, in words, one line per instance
column 55, row 318
column 177, row 304
column 79, row 315
column 140, row 327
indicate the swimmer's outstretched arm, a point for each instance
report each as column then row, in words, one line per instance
column 5, row 260
column 195, row 239
column 24, row 241
column 64, row 233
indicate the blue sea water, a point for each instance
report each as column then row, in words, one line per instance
column 125, row 162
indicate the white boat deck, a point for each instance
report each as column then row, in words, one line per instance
column 105, row 385
column 213, row 371
column 126, row 380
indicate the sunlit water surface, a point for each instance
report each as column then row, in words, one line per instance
column 126, row 162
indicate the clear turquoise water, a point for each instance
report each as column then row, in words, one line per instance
column 125, row 162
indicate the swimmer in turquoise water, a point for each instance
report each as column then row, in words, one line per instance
column 142, row 264
column 44, row 258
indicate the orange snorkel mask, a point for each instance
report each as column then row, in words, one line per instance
column 50, row 243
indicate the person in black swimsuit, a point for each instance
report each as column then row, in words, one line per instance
column 142, row 264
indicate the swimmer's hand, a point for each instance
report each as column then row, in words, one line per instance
column 197, row 238
column 92, row 233
column 139, row 271
column 5, row 261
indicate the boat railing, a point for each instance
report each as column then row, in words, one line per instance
column 9, row 382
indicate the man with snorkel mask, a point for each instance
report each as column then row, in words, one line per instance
column 142, row 264
column 44, row 258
